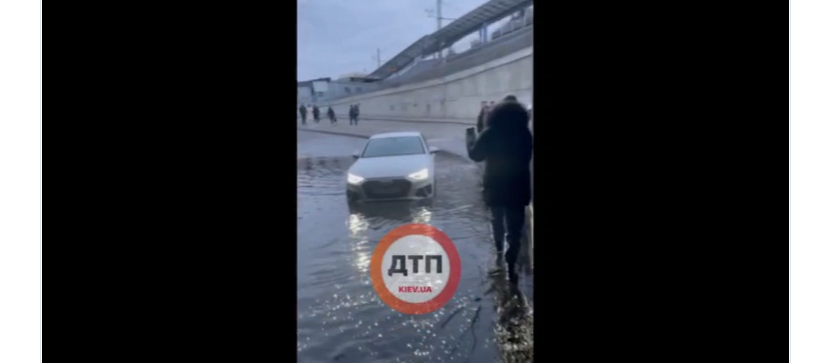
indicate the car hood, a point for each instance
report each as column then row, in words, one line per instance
column 391, row 166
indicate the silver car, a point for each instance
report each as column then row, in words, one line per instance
column 392, row 166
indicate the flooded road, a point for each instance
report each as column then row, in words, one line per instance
column 341, row 318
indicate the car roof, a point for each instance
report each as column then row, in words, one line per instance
column 396, row 134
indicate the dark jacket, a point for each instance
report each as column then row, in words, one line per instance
column 315, row 111
column 506, row 148
column 303, row 111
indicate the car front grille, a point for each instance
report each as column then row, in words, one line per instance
column 386, row 189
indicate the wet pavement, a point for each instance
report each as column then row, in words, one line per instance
column 341, row 318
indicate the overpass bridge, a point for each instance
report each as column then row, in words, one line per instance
column 476, row 19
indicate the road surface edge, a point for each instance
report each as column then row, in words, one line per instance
column 351, row 134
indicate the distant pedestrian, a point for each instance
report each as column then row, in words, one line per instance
column 303, row 114
column 332, row 117
column 506, row 148
column 316, row 112
column 353, row 115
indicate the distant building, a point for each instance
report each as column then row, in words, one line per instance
column 349, row 76
column 323, row 90
column 311, row 91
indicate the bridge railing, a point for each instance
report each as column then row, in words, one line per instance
column 471, row 58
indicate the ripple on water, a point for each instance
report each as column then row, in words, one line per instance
column 340, row 317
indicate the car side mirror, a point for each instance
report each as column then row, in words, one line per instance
column 356, row 154
column 433, row 149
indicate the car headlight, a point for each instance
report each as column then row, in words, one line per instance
column 420, row 175
column 354, row 179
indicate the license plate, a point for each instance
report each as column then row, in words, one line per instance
column 387, row 190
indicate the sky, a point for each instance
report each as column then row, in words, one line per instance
column 335, row 37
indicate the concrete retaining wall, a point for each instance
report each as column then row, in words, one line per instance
column 456, row 96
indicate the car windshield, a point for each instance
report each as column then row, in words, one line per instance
column 393, row 146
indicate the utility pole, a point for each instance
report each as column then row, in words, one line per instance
column 439, row 24
column 439, row 18
column 439, row 14
column 377, row 58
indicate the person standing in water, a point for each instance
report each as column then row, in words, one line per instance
column 506, row 148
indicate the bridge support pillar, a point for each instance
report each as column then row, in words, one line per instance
column 484, row 33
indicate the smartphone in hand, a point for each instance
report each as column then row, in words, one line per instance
column 470, row 137
column 471, row 134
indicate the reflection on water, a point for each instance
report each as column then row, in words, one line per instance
column 422, row 216
column 514, row 329
column 360, row 248
column 340, row 317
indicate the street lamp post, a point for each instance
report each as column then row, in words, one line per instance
column 439, row 18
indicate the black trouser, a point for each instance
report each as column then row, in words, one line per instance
column 303, row 118
column 352, row 120
column 511, row 220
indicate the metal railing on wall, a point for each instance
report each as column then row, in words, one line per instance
column 471, row 58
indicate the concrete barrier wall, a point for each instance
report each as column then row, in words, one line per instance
column 455, row 96
column 505, row 45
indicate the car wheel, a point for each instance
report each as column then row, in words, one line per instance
column 352, row 199
column 354, row 205
column 429, row 200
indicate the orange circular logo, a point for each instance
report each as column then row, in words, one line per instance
column 415, row 269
